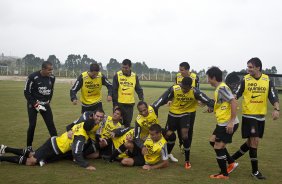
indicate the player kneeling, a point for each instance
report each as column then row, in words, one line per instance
column 155, row 149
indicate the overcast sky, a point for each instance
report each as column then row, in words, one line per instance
column 162, row 33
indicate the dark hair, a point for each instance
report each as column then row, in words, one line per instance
column 142, row 103
column 215, row 72
column 118, row 109
column 126, row 62
column 94, row 67
column 185, row 65
column 156, row 127
column 45, row 64
column 256, row 62
column 186, row 81
column 99, row 110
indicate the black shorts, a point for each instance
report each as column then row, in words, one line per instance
column 137, row 156
column 222, row 136
column 92, row 107
column 175, row 123
column 252, row 128
column 45, row 152
column 108, row 150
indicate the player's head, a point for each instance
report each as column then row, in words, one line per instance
column 214, row 75
column 126, row 66
column 254, row 66
column 46, row 68
column 186, row 84
column 155, row 132
column 184, row 68
column 143, row 108
column 117, row 115
column 94, row 69
column 98, row 115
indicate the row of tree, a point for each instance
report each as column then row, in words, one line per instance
column 75, row 64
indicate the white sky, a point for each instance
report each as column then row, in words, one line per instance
column 224, row 33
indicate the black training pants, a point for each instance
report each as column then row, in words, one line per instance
column 48, row 119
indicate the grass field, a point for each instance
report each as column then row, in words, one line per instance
column 14, row 123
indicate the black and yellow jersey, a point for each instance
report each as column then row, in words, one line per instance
column 143, row 123
column 90, row 88
column 222, row 107
column 157, row 151
column 255, row 93
column 195, row 79
column 124, row 88
column 183, row 103
column 107, row 126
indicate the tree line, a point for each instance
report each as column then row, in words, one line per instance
column 75, row 64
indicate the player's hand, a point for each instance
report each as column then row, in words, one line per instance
column 103, row 142
column 168, row 103
column 112, row 134
column 91, row 168
column 109, row 98
column 75, row 102
column 146, row 167
column 70, row 134
column 144, row 151
column 39, row 107
column 275, row 115
column 208, row 110
column 201, row 104
column 229, row 127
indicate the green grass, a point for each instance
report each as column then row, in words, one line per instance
column 14, row 123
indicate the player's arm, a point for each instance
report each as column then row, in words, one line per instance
column 274, row 100
column 76, row 87
column 197, row 82
column 108, row 84
column 166, row 96
column 155, row 109
column 52, row 89
column 203, row 98
column 82, row 118
column 240, row 89
column 77, row 152
column 115, row 90
column 28, row 90
column 121, row 131
column 139, row 89
column 227, row 96
column 137, row 132
column 101, row 127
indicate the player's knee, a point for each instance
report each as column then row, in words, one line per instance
column 168, row 133
column 171, row 137
column 219, row 145
column 254, row 142
column 127, row 162
column 184, row 133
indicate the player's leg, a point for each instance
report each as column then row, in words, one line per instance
column 185, row 125
column 245, row 131
column 14, row 159
column 48, row 119
column 17, row 151
column 32, row 117
column 219, row 139
column 257, row 132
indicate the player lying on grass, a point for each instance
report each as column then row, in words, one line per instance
column 56, row 148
